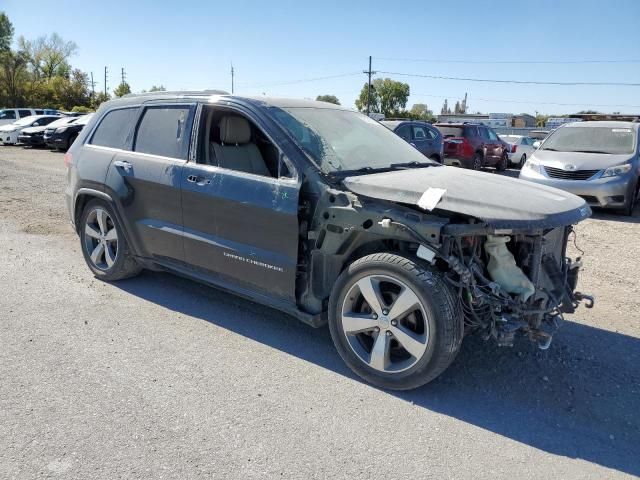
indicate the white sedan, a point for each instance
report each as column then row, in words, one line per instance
column 521, row 148
column 9, row 133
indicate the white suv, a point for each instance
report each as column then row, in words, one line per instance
column 10, row 115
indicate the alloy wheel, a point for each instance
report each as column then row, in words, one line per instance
column 385, row 323
column 101, row 238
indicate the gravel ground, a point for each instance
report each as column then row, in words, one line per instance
column 159, row 377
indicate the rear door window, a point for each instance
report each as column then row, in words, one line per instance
column 419, row 133
column 114, row 128
column 492, row 135
column 7, row 115
column 24, row 113
column 165, row 131
column 471, row 132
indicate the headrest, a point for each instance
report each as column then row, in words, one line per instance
column 234, row 129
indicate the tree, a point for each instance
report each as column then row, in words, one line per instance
column 445, row 110
column 420, row 111
column 48, row 55
column 99, row 98
column 122, row 89
column 6, row 33
column 456, row 108
column 328, row 98
column 388, row 97
column 159, row 88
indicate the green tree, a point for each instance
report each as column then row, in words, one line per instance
column 122, row 89
column 159, row 88
column 328, row 98
column 420, row 111
column 49, row 55
column 6, row 33
column 388, row 96
column 98, row 99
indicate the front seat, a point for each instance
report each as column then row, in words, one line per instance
column 235, row 150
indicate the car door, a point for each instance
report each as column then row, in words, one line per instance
column 492, row 146
column 242, row 228
column 146, row 178
column 422, row 139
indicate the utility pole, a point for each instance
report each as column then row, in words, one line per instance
column 93, row 86
column 369, row 73
column 232, row 78
column 122, row 74
column 105, row 80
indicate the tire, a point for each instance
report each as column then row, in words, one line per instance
column 523, row 159
column 432, row 327
column 477, row 162
column 631, row 203
column 436, row 158
column 502, row 165
column 72, row 139
column 103, row 243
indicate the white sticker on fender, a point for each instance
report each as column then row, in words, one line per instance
column 430, row 198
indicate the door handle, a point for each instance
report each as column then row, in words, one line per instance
column 198, row 180
column 126, row 166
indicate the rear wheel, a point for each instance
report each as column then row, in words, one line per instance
column 631, row 202
column 103, row 244
column 477, row 162
column 503, row 163
column 394, row 322
column 523, row 159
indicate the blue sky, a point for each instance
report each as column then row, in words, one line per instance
column 274, row 44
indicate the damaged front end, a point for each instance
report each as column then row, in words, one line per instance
column 510, row 282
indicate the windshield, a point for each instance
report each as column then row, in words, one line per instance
column 26, row 120
column 609, row 140
column 339, row 140
column 60, row 122
column 83, row 120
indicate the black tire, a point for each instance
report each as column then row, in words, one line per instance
column 436, row 158
column 443, row 318
column 71, row 139
column 477, row 162
column 123, row 264
column 502, row 165
column 523, row 159
column 631, row 203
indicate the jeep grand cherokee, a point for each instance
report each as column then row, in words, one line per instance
column 327, row 215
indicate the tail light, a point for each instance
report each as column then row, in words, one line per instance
column 68, row 159
column 514, row 148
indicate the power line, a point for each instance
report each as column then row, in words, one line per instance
column 519, row 82
column 301, row 80
column 536, row 102
column 508, row 62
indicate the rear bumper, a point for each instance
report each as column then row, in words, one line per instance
column 456, row 161
column 611, row 192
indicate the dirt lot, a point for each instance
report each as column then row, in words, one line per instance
column 159, row 377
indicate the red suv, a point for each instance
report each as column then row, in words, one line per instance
column 473, row 145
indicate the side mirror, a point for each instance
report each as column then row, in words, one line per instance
column 36, row 124
column 536, row 144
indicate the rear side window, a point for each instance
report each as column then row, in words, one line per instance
column 470, row 132
column 39, row 112
column 114, row 128
column 419, row 133
column 164, row 131
column 7, row 115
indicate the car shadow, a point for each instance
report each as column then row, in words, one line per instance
column 579, row 399
column 601, row 214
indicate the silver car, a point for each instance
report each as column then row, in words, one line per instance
column 599, row 161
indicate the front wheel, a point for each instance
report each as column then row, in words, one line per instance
column 523, row 160
column 477, row 162
column 631, row 203
column 394, row 322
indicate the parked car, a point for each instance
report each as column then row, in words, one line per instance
column 10, row 115
column 473, row 146
column 520, row 148
column 422, row 135
column 595, row 160
column 9, row 133
column 34, row 136
column 61, row 138
column 325, row 214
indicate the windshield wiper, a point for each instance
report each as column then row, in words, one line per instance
column 589, row 151
column 412, row 164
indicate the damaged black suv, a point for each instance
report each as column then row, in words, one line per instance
column 327, row 215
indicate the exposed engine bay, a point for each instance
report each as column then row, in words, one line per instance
column 514, row 283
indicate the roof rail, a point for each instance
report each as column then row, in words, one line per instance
column 190, row 93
